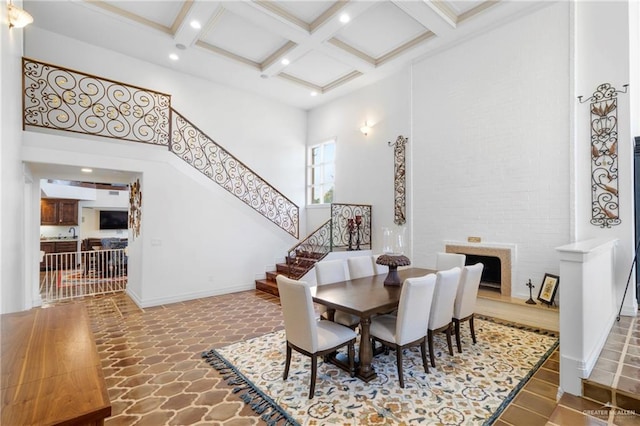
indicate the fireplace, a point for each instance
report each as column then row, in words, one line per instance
column 491, row 273
column 497, row 261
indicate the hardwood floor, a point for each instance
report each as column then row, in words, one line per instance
column 155, row 375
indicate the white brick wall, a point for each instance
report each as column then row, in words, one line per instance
column 490, row 144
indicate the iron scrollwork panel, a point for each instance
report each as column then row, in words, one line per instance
column 197, row 149
column 346, row 231
column 604, row 156
column 63, row 99
column 399, row 181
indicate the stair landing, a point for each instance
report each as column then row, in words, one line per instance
column 615, row 379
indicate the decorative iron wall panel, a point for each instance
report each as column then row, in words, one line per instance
column 197, row 149
column 399, row 181
column 63, row 99
column 345, row 229
column 604, row 156
column 135, row 208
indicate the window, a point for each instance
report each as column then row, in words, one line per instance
column 321, row 173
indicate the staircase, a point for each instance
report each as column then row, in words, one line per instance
column 298, row 267
column 348, row 229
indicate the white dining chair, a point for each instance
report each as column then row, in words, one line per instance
column 441, row 315
column 332, row 271
column 409, row 327
column 307, row 335
column 379, row 269
column 445, row 261
column 360, row 266
column 465, row 303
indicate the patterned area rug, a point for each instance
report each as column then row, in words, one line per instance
column 471, row 388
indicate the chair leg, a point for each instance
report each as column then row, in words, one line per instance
column 352, row 355
column 448, row 333
column 287, row 363
column 456, row 322
column 399, row 363
column 433, row 359
column 314, row 369
column 423, row 351
column 473, row 330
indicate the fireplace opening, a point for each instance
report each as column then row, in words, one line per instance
column 491, row 274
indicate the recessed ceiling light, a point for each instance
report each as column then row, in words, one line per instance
column 284, row 61
column 195, row 24
column 181, row 46
column 344, row 18
column 314, row 93
column 264, row 76
column 86, row 170
column 174, row 57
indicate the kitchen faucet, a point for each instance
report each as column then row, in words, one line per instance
column 73, row 231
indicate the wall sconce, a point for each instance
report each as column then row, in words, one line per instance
column 365, row 129
column 18, row 17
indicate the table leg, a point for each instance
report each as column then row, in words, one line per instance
column 365, row 370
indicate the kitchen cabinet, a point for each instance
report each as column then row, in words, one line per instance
column 66, row 261
column 55, row 211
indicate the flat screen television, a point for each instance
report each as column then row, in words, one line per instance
column 114, row 219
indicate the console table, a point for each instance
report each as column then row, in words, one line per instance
column 50, row 368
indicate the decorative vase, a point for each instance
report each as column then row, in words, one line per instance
column 393, row 240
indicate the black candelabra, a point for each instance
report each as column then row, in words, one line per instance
column 531, row 286
column 354, row 228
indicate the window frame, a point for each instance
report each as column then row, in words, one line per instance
column 321, row 166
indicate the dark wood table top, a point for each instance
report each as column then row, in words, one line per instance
column 51, row 370
column 365, row 296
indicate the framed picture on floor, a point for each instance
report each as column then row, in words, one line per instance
column 548, row 288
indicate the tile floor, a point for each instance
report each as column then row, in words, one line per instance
column 155, row 375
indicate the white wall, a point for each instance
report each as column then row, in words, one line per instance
column 266, row 135
column 364, row 164
column 12, row 181
column 490, row 144
column 196, row 238
column 603, row 56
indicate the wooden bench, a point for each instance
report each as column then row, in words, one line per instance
column 50, row 369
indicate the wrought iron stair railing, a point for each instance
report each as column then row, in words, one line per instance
column 63, row 99
column 348, row 229
column 304, row 255
column 197, row 149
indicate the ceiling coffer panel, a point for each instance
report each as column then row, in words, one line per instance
column 364, row 34
column 318, row 69
column 241, row 37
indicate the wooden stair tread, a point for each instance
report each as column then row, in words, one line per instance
column 267, row 286
column 302, row 263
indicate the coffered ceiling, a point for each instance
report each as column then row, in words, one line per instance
column 303, row 53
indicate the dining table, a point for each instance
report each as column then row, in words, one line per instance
column 364, row 297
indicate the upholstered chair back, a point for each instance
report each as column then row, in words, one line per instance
column 360, row 266
column 466, row 296
column 443, row 298
column 330, row 271
column 446, row 261
column 299, row 316
column 413, row 309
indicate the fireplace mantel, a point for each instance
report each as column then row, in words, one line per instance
column 504, row 252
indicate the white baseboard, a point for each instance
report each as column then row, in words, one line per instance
column 188, row 296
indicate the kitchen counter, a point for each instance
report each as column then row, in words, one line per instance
column 56, row 239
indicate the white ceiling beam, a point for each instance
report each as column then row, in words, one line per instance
column 318, row 40
column 203, row 12
column 428, row 15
